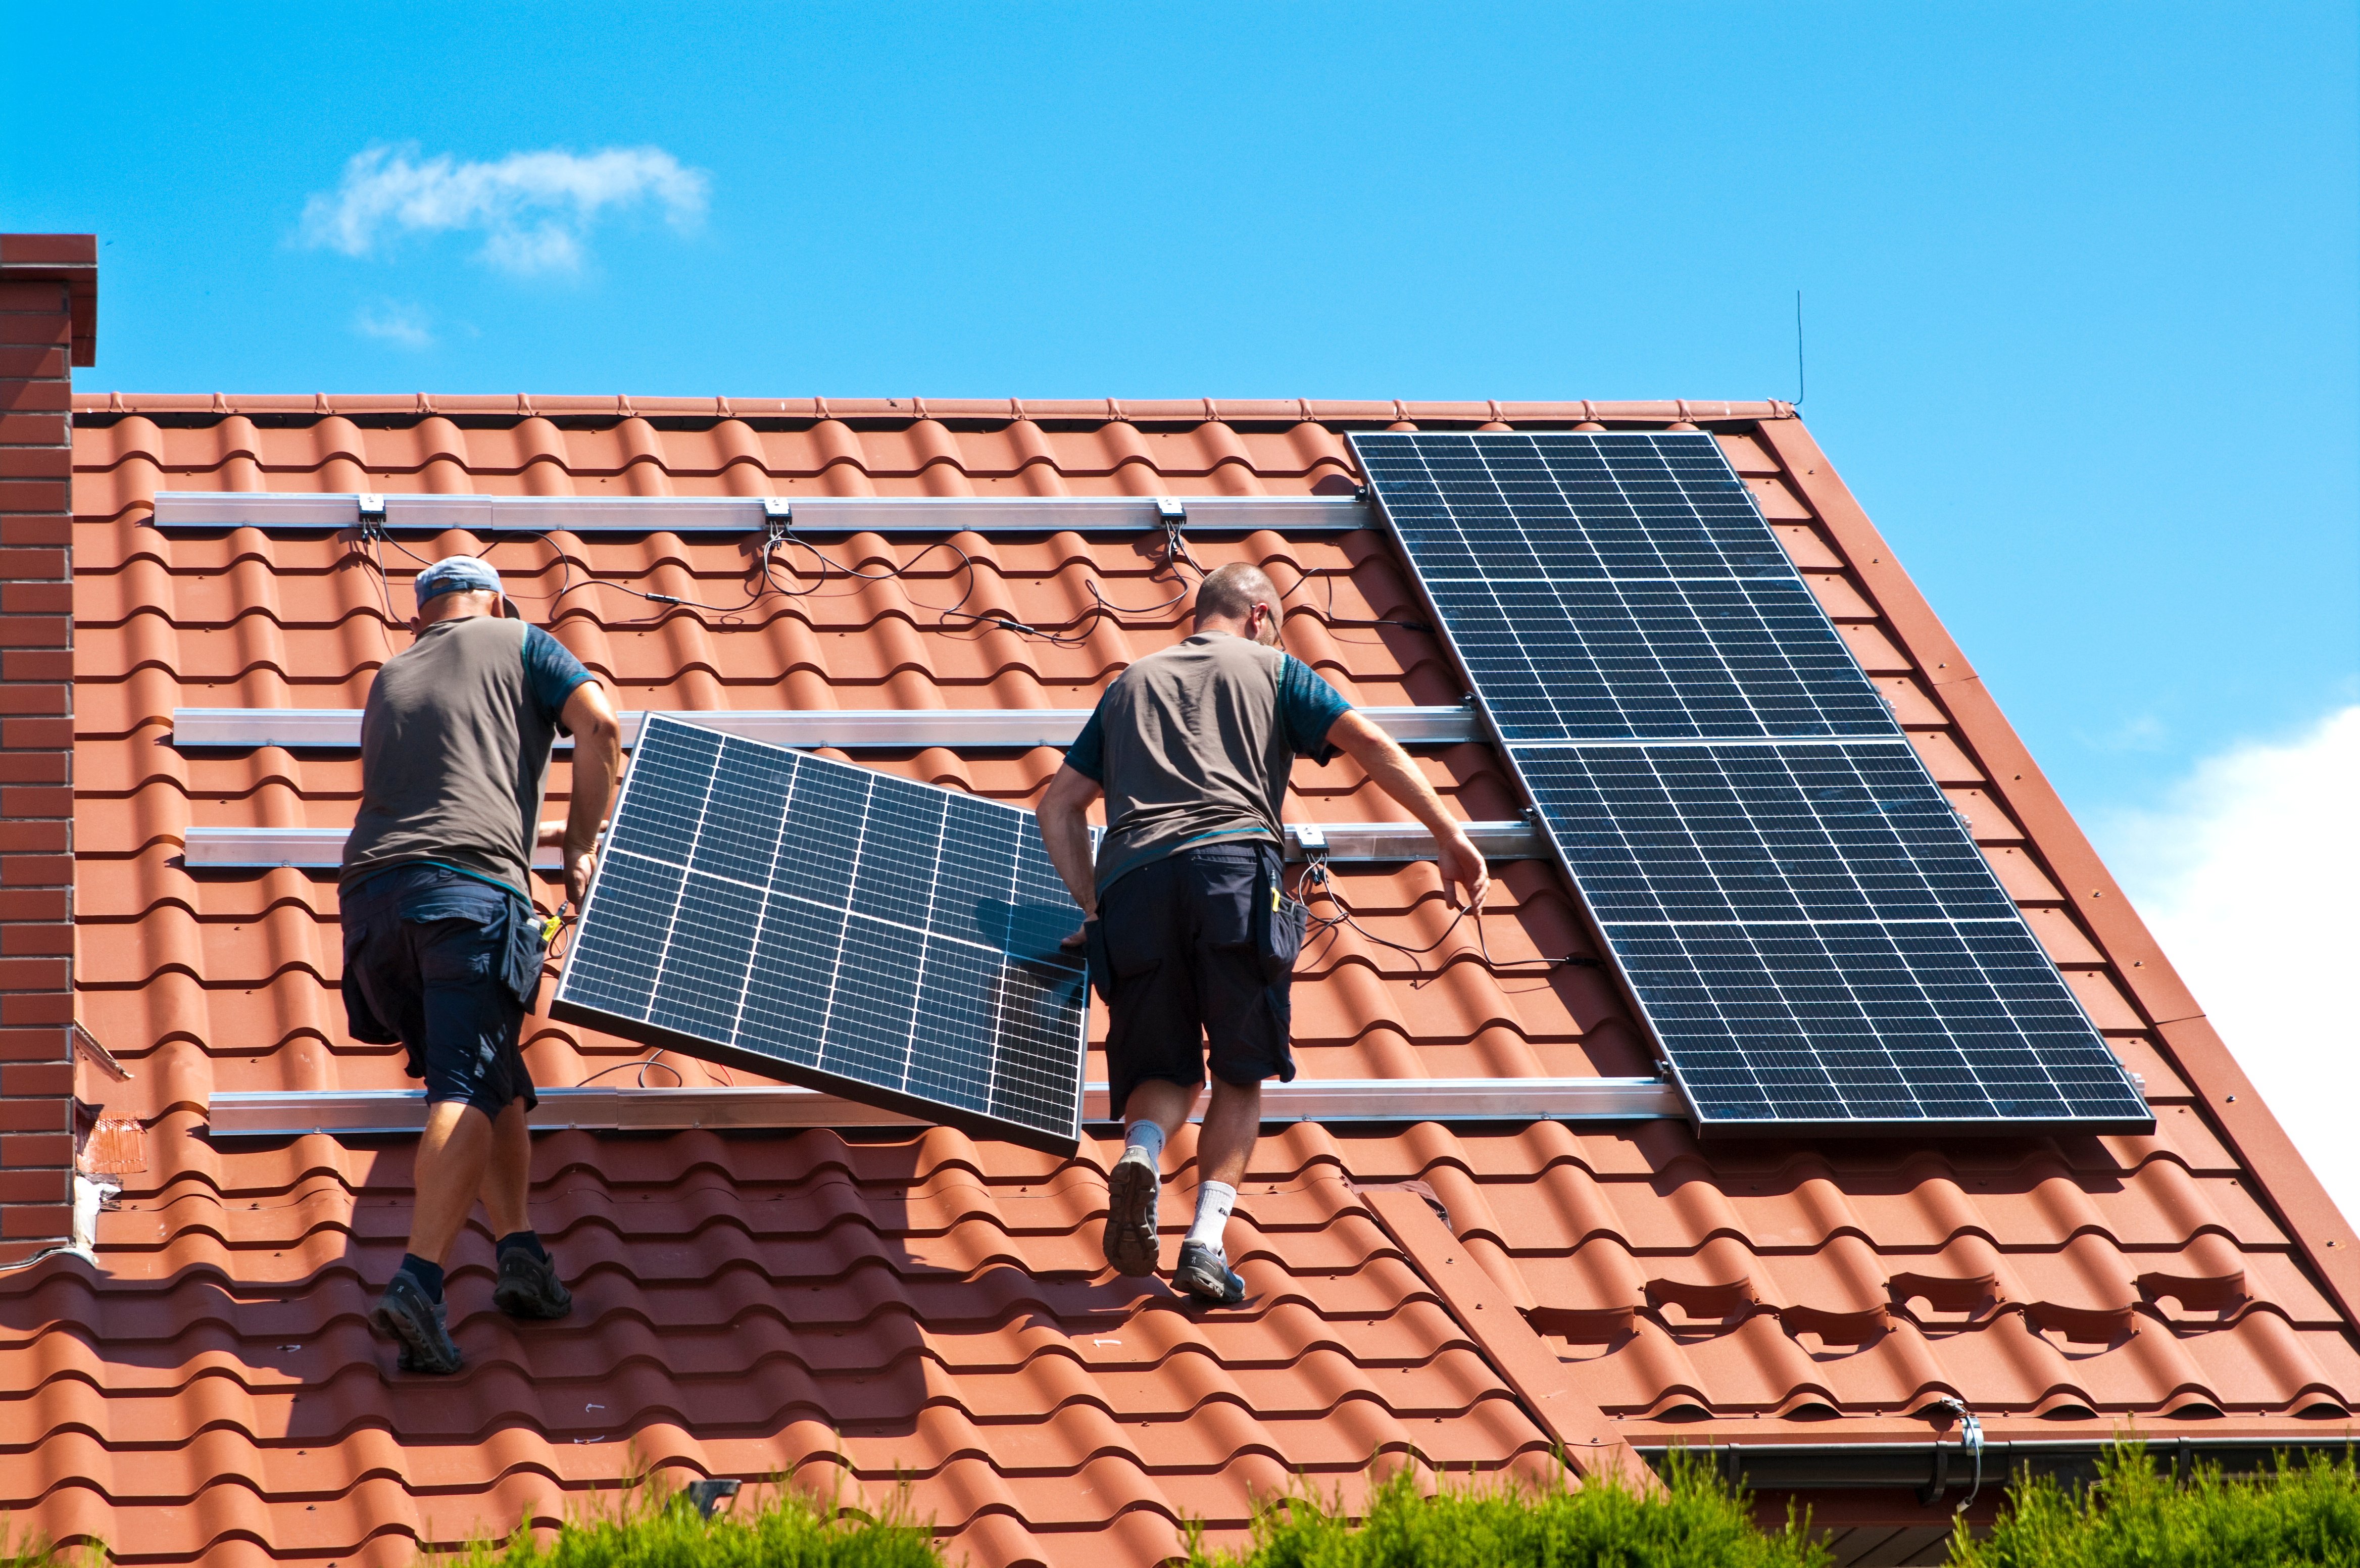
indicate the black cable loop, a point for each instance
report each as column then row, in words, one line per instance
column 1317, row 875
column 642, row 1063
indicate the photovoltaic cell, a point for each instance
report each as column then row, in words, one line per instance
column 890, row 941
column 1802, row 918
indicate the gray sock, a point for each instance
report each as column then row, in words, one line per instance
column 1145, row 1135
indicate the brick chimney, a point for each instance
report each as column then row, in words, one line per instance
column 49, row 322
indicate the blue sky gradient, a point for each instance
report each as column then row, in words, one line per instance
column 2083, row 283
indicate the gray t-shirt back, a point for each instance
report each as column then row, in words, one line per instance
column 1193, row 745
column 454, row 752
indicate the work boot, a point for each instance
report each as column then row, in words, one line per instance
column 528, row 1286
column 418, row 1325
column 1132, row 1187
column 1205, row 1274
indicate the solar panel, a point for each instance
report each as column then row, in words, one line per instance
column 1610, row 587
column 1802, row 919
column 892, row 942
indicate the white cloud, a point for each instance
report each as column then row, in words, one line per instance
column 395, row 322
column 2247, row 877
column 535, row 210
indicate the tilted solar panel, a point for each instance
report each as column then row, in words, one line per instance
column 892, row 942
column 1801, row 917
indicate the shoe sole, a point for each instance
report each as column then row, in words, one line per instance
column 416, row 1355
column 1212, row 1290
column 1129, row 1241
column 520, row 1300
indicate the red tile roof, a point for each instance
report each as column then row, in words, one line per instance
column 923, row 1305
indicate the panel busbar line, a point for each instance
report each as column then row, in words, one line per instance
column 1799, row 915
column 892, row 942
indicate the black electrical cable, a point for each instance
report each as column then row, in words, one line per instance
column 1065, row 635
column 642, row 1063
column 1328, row 617
column 1316, row 876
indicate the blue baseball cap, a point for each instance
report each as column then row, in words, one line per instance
column 457, row 574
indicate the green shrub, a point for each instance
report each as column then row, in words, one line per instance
column 1696, row 1523
column 785, row 1529
column 2135, row 1517
column 34, row 1549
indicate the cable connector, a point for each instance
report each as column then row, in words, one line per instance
column 778, row 521
column 372, row 514
column 1169, row 508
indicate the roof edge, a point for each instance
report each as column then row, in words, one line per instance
column 2287, row 1184
column 522, row 406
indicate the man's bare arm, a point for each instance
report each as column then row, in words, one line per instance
column 1381, row 758
column 1065, row 832
column 597, row 758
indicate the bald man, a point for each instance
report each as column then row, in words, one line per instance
column 1190, row 937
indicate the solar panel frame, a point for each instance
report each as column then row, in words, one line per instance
column 928, row 981
column 1802, row 1088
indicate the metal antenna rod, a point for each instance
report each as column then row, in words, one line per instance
column 1798, row 348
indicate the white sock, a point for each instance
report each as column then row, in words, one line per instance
column 1214, row 1201
column 1145, row 1135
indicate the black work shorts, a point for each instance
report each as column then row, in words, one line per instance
column 428, row 961
column 1188, row 977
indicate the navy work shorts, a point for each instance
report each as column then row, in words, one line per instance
column 1190, row 984
column 433, row 960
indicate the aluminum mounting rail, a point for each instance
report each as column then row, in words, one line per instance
column 849, row 730
column 316, row 849
column 358, row 1113
column 214, row 509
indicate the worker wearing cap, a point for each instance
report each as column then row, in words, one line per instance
column 1190, row 938
column 441, row 944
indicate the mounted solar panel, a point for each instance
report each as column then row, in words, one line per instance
column 1800, row 916
column 890, row 942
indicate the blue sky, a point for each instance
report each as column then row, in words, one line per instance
column 2081, row 282
column 2082, row 285
column 2080, row 279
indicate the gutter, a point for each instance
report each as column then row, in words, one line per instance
column 1934, row 1468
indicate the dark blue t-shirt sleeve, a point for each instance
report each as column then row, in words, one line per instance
column 550, row 674
column 1087, row 755
column 1309, row 707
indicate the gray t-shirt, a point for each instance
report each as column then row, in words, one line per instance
column 1193, row 745
column 454, row 752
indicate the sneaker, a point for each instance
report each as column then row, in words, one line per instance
column 1132, row 1187
column 418, row 1324
column 1205, row 1274
column 530, row 1288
